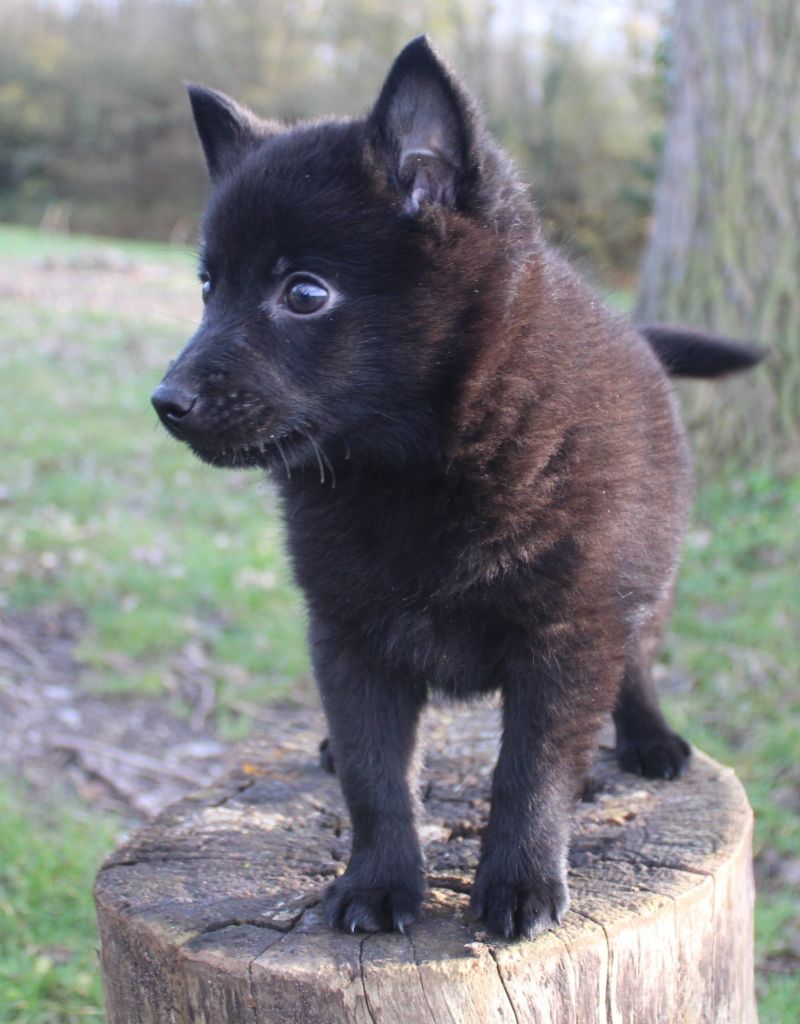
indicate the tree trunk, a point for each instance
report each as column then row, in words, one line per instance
column 210, row 914
column 724, row 251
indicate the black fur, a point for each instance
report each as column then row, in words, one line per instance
column 482, row 470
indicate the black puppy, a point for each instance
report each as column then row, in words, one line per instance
column 482, row 470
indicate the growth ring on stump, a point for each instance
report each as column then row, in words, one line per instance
column 211, row 912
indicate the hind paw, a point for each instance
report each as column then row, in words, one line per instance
column 326, row 762
column 663, row 756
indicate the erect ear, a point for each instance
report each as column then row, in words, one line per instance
column 426, row 126
column 227, row 130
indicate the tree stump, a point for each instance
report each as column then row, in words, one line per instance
column 210, row 913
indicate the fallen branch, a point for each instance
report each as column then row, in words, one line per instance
column 149, row 765
column 249, row 710
column 93, row 767
column 204, row 706
column 18, row 646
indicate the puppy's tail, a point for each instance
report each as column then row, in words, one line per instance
column 689, row 353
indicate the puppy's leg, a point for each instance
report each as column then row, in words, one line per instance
column 645, row 743
column 372, row 717
column 551, row 715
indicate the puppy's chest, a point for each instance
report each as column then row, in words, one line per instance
column 378, row 548
column 388, row 566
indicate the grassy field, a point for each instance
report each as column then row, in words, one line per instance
column 48, row 938
column 104, row 511
column 101, row 512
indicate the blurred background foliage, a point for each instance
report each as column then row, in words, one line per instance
column 96, row 134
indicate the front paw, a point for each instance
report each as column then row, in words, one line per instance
column 352, row 903
column 662, row 755
column 518, row 902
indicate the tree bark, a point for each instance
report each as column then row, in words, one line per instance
column 724, row 250
column 210, row 914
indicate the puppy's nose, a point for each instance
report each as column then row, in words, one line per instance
column 172, row 402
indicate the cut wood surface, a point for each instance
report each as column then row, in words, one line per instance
column 211, row 912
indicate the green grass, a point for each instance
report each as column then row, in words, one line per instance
column 736, row 632
column 101, row 511
column 48, row 938
column 27, row 244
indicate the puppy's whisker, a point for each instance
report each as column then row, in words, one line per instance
column 332, row 471
column 193, row 322
column 277, row 442
column 319, row 457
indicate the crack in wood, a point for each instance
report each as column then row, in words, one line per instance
column 497, row 967
column 239, row 922
column 636, row 860
column 251, row 985
column 363, row 979
column 242, row 788
column 251, row 991
column 176, row 858
column 609, row 960
column 419, row 975
column 714, row 934
column 574, row 974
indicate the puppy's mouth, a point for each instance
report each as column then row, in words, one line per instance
column 281, row 454
column 271, row 451
column 278, row 448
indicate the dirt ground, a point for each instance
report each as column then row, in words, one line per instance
column 129, row 754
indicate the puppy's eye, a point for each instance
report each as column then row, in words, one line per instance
column 205, row 286
column 305, row 295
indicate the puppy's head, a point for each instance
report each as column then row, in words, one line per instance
column 344, row 266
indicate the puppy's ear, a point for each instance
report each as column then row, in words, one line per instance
column 227, row 130
column 426, row 126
